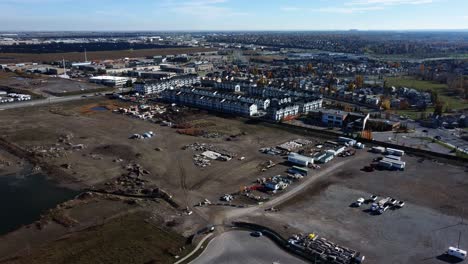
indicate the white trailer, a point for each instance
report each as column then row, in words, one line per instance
column 456, row 252
column 395, row 152
column 378, row 149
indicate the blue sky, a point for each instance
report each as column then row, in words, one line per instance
column 232, row 14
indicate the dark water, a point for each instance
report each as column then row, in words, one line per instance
column 99, row 108
column 23, row 199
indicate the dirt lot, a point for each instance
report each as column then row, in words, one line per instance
column 46, row 85
column 94, row 55
column 434, row 193
column 105, row 137
column 435, row 196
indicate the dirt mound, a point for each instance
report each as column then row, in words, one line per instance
column 118, row 151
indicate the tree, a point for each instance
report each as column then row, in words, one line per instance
column 351, row 87
column 422, row 69
column 359, row 81
column 386, row 104
column 404, row 105
column 438, row 108
column 434, row 96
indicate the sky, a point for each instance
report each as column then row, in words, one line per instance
column 193, row 15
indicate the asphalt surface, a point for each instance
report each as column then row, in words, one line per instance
column 450, row 136
column 239, row 247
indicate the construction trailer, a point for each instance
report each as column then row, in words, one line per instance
column 392, row 164
column 300, row 159
column 347, row 141
column 396, row 152
column 327, row 157
column 378, row 149
column 393, row 157
column 298, row 170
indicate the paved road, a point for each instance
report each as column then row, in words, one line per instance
column 239, row 247
column 451, row 136
column 50, row 100
column 296, row 190
column 195, row 250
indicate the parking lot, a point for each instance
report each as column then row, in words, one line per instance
column 421, row 231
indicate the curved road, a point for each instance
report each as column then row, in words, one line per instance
column 239, row 247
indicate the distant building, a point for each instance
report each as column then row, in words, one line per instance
column 155, row 87
column 333, row 118
column 210, row 102
column 112, row 81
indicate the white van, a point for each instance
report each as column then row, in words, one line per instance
column 456, row 252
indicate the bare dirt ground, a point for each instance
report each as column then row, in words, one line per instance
column 95, row 55
column 107, row 149
column 434, row 193
column 45, row 85
column 9, row 164
column 435, row 196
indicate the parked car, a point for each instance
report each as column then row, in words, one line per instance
column 358, row 202
column 256, row 234
column 400, row 204
column 373, row 198
column 392, row 201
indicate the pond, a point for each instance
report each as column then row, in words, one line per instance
column 25, row 198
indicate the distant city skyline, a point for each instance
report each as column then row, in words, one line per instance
column 193, row 15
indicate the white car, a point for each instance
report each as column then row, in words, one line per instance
column 359, row 202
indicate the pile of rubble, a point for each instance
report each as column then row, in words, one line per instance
column 130, row 182
column 204, row 159
column 198, row 147
column 321, row 248
column 201, row 161
column 143, row 111
column 47, row 151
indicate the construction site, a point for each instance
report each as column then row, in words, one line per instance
column 187, row 170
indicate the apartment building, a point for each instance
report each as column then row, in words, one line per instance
column 156, row 87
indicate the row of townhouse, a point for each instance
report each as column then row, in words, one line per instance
column 156, row 87
column 283, row 112
column 210, row 102
column 262, row 103
column 287, row 107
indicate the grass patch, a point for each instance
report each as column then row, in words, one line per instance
column 457, row 152
column 129, row 239
column 453, row 102
column 414, row 114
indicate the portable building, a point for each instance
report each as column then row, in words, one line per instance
column 348, row 141
column 394, row 164
column 395, row 152
column 385, row 164
column 378, row 149
column 326, row 158
column 300, row 159
column 393, row 157
column 298, row 170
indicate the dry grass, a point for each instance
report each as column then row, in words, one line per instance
column 94, row 55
